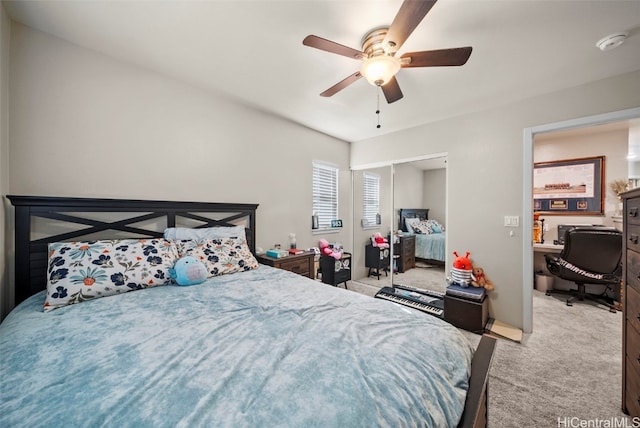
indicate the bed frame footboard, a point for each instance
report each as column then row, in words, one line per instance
column 475, row 408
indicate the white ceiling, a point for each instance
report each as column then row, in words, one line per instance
column 252, row 51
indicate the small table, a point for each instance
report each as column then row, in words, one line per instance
column 376, row 259
column 335, row 271
column 302, row 264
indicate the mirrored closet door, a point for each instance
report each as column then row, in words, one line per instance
column 372, row 215
column 419, row 189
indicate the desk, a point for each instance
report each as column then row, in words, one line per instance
column 547, row 248
column 539, row 250
column 540, row 264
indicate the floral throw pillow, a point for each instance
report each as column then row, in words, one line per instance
column 83, row 270
column 220, row 256
column 428, row 226
column 422, row 228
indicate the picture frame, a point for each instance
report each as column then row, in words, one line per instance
column 569, row 187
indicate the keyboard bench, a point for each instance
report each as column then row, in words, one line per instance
column 466, row 314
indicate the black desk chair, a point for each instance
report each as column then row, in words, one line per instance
column 591, row 255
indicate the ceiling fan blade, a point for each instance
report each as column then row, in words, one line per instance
column 436, row 58
column 411, row 13
column 392, row 90
column 341, row 85
column 333, row 47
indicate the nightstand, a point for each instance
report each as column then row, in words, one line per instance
column 376, row 259
column 335, row 271
column 302, row 264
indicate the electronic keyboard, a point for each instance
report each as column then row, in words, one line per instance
column 431, row 293
column 427, row 301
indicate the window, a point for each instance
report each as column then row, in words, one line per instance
column 325, row 193
column 370, row 200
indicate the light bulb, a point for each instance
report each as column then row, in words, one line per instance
column 378, row 70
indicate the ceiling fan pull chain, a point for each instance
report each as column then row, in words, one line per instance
column 378, row 109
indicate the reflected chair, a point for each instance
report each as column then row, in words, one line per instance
column 591, row 255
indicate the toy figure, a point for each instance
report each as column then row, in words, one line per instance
column 377, row 240
column 328, row 250
column 461, row 271
column 479, row 279
column 188, row 271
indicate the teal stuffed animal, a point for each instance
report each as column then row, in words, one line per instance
column 188, row 271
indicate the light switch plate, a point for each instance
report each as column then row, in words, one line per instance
column 511, row 221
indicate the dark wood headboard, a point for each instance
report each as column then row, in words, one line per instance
column 42, row 220
column 421, row 213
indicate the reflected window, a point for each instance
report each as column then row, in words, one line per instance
column 371, row 200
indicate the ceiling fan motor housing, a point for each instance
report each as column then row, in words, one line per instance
column 373, row 42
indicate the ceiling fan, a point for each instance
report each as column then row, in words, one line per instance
column 379, row 47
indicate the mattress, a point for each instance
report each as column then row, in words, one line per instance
column 264, row 347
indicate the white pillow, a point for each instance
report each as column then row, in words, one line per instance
column 410, row 223
column 219, row 232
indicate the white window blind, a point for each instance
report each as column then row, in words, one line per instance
column 325, row 193
column 370, row 199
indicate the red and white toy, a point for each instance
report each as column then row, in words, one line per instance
column 377, row 240
column 328, row 250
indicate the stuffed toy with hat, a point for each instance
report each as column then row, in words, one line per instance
column 188, row 271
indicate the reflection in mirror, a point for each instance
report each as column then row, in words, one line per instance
column 420, row 246
column 371, row 215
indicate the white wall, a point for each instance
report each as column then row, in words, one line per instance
column 6, row 293
column 435, row 194
column 85, row 125
column 485, row 177
column 408, row 189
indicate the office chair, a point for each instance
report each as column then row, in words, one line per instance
column 591, row 255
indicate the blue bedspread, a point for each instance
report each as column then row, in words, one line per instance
column 254, row 349
column 431, row 246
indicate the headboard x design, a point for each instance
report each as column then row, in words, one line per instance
column 42, row 220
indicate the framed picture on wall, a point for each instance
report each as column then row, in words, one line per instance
column 569, row 187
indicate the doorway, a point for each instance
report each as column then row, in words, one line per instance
column 527, row 223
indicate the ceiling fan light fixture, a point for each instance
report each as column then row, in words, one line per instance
column 378, row 70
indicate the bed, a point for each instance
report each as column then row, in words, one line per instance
column 258, row 347
column 430, row 247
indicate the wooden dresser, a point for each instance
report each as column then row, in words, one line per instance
column 406, row 250
column 302, row 264
column 631, row 302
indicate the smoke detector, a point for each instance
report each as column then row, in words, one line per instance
column 612, row 41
